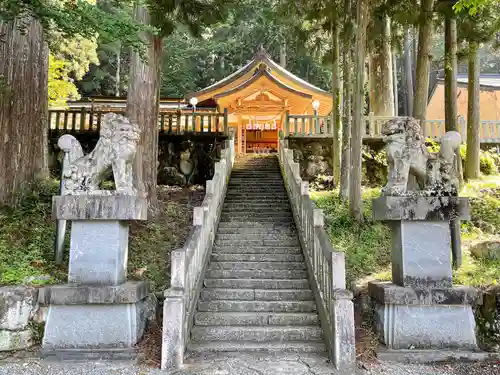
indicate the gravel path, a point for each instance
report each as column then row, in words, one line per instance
column 240, row 364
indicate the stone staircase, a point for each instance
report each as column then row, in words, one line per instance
column 256, row 294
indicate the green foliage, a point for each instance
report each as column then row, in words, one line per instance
column 68, row 18
column 60, row 86
column 489, row 161
column 366, row 245
column 193, row 62
column 374, row 167
column 26, row 238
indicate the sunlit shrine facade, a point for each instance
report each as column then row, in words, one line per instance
column 258, row 98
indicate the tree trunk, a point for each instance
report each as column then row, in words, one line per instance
column 408, row 72
column 450, row 74
column 346, row 121
column 395, row 83
column 118, row 70
column 381, row 80
column 23, row 107
column 142, row 108
column 355, row 199
column 473, row 118
column 283, row 54
column 423, row 60
column 336, row 108
column 450, row 86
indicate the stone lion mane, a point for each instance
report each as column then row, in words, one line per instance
column 115, row 151
column 408, row 155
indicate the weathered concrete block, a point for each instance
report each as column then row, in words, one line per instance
column 98, row 252
column 74, row 294
column 95, row 326
column 17, row 307
column 421, row 253
column 99, row 207
column 426, row 326
column 385, row 292
column 388, row 208
column 15, row 340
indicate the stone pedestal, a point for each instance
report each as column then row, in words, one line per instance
column 420, row 308
column 98, row 313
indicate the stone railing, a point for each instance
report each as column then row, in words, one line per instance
column 326, row 267
column 188, row 264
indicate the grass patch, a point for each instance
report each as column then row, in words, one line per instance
column 366, row 245
column 27, row 238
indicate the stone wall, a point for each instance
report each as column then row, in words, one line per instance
column 194, row 155
column 315, row 159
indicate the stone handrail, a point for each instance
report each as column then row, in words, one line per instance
column 326, row 267
column 188, row 264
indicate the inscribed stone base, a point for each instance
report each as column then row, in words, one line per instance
column 421, row 253
column 98, row 326
column 426, row 326
column 98, row 252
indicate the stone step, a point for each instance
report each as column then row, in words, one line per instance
column 254, row 200
column 267, row 229
column 258, row 334
column 257, row 181
column 257, row 274
column 256, row 306
column 253, row 214
column 256, row 347
column 221, row 257
column 256, row 236
column 255, row 318
column 211, row 294
column 244, row 195
column 256, row 189
column 233, row 266
column 257, row 283
column 257, row 205
column 260, row 220
column 246, row 224
column 256, row 250
column 262, row 210
column 257, row 176
column 291, row 241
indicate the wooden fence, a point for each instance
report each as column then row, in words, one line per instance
column 176, row 123
column 310, row 126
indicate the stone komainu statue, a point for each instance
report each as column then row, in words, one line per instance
column 407, row 154
column 115, row 151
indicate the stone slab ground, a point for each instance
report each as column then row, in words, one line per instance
column 240, row 364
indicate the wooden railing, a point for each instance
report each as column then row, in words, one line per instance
column 189, row 263
column 325, row 266
column 85, row 121
column 310, row 126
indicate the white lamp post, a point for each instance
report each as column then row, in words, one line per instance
column 315, row 105
column 193, row 101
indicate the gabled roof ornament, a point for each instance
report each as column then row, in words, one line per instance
column 262, row 50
